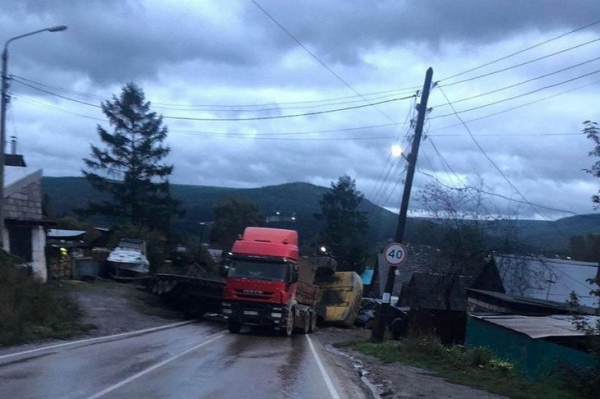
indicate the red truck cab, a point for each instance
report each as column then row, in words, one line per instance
column 262, row 283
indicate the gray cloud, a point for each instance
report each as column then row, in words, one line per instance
column 231, row 53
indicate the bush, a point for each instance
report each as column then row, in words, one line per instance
column 428, row 345
column 479, row 356
column 30, row 309
column 583, row 380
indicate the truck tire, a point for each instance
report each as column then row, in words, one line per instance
column 305, row 329
column 234, row 327
column 288, row 329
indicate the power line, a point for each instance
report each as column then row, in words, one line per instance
column 490, row 193
column 257, row 118
column 260, row 135
column 519, row 106
column 520, row 83
column 409, row 117
column 518, row 96
column 521, row 51
column 231, row 108
column 235, row 119
column 488, row 157
column 522, row 63
column 338, row 77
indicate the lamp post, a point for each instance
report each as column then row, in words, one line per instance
column 3, row 104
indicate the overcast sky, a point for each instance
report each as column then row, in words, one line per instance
column 228, row 59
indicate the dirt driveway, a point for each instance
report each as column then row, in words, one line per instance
column 112, row 308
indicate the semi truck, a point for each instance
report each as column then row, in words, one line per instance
column 269, row 285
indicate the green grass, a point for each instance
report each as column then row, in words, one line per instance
column 474, row 367
column 30, row 310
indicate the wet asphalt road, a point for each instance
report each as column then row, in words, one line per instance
column 199, row 360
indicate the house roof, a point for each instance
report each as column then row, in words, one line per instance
column 16, row 178
column 58, row 233
column 545, row 278
column 420, row 258
column 429, row 291
column 519, row 304
column 538, row 327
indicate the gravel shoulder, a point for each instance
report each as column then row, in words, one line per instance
column 394, row 380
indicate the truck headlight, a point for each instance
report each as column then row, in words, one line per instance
column 276, row 315
column 226, row 311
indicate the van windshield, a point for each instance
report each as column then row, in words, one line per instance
column 272, row 271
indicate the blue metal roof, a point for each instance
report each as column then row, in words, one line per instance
column 544, row 278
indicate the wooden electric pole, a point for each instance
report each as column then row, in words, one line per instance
column 378, row 331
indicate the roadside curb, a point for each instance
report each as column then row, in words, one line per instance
column 105, row 338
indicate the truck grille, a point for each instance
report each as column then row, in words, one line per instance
column 253, row 294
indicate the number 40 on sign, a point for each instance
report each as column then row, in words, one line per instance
column 395, row 254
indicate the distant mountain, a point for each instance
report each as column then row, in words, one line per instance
column 302, row 199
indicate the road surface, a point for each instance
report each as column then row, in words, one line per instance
column 197, row 360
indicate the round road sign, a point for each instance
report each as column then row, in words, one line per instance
column 395, row 254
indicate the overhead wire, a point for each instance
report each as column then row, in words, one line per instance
column 237, row 119
column 520, row 106
column 522, row 63
column 275, row 106
column 521, row 51
column 518, row 96
column 510, row 183
column 519, row 83
column 409, row 117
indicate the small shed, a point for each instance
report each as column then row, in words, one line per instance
column 537, row 345
column 24, row 224
column 438, row 305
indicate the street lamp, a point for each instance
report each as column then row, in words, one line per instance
column 3, row 103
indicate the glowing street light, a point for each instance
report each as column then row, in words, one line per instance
column 396, row 151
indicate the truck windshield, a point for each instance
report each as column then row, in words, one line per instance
column 258, row 270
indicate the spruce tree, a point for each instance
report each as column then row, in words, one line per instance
column 344, row 225
column 130, row 169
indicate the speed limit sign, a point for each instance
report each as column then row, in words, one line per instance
column 395, row 254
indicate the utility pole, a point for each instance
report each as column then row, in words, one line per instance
column 3, row 105
column 378, row 331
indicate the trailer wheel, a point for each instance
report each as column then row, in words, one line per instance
column 234, row 327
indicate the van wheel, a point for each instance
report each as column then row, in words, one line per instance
column 234, row 327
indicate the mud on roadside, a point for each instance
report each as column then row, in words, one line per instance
column 394, row 380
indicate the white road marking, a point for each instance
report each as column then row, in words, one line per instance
column 158, row 365
column 332, row 391
column 106, row 337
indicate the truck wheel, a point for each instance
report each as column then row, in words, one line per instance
column 306, row 325
column 288, row 330
column 234, row 327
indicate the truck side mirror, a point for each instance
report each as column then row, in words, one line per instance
column 293, row 274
